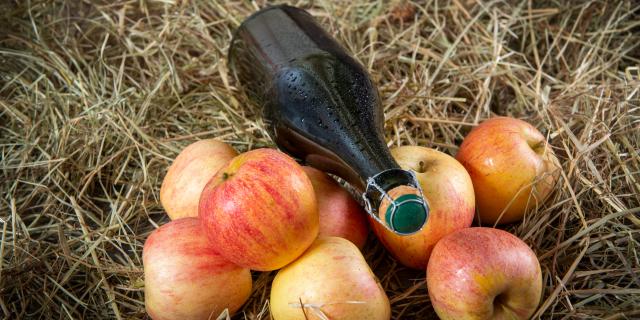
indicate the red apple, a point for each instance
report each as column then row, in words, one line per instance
column 340, row 215
column 483, row 273
column 447, row 188
column 260, row 210
column 189, row 173
column 185, row 279
column 512, row 167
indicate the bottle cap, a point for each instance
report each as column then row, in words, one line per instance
column 407, row 214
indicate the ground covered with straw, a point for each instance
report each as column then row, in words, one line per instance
column 97, row 98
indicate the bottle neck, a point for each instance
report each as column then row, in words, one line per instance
column 382, row 182
column 394, row 198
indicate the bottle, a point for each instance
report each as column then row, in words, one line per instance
column 320, row 105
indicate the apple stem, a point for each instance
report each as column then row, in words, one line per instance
column 421, row 168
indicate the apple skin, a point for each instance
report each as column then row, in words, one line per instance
column 260, row 210
column 511, row 166
column 332, row 274
column 184, row 277
column 447, row 187
column 483, row 273
column 340, row 215
column 189, row 173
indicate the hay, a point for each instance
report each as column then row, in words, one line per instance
column 97, row 98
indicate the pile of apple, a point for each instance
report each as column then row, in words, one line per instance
column 262, row 211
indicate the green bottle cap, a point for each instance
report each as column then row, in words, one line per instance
column 408, row 215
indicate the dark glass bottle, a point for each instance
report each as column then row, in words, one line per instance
column 321, row 106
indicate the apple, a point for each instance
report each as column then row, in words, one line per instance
column 448, row 190
column 260, row 210
column 186, row 279
column 340, row 215
column 331, row 280
column 512, row 167
column 483, row 273
column 189, row 173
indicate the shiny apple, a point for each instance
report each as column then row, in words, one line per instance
column 186, row 279
column 331, row 280
column 512, row 167
column 189, row 173
column 447, row 188
column 260, row 210
column 483, row 273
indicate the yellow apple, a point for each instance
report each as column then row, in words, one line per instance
column 512, row 168
column 331, row 280
column 189, row 173
column 447, row 188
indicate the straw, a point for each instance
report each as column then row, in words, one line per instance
column 97, row 98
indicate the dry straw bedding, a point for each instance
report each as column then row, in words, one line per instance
column 97, row 98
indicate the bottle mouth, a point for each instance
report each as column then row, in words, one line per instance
column 405, row 215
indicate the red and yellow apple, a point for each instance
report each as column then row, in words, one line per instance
column 447, row 188
column 189, row 173
column 260, row 210
column 483, row 273
column 331, row 280
column 512, row 168
column 340, row 215
column 185, row 279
